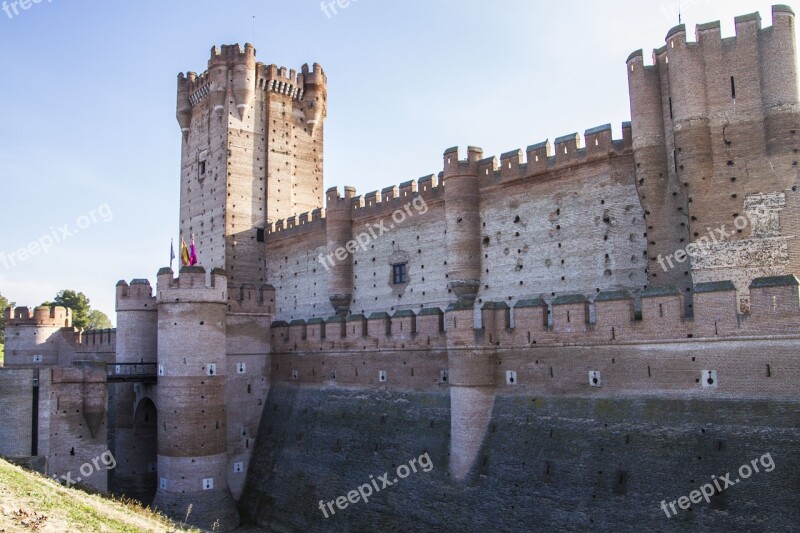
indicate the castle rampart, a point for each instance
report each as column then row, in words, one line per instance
column 775, row 308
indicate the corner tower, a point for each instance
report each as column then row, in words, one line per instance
column 33, row 337
column 716, row 131
column 251, row 155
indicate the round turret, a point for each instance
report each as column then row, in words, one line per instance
column 218, row 75
column 184, row 106
column 244, row 82
column 463, row 218
column 339, row 232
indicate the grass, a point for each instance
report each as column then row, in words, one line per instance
column 32, row 502
column 2, row 354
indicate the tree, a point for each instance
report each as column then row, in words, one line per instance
column 78, row 303
column 4, row 304
column 98, row 320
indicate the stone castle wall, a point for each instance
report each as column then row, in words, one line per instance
column 572, row 214
column 548, row 462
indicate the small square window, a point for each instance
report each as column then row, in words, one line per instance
column 399, row 274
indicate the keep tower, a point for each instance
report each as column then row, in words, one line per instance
column 252, row 154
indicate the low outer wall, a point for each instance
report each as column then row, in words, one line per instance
column 16, row 406
column 547, row 462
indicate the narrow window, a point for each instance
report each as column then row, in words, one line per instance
column 399, row 274
column 260, row 234
column 675, row 160
column 202, row 168
column 733, row 88
column 670, row 108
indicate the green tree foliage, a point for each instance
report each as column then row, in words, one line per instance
column 4, row 304
column 79, row 303
column 98, row 320
column 83, row 316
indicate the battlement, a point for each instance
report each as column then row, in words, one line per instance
column 192, row 285
column 302, row 224
column 747, row 27
column 136, row 296
column 280, row 80
column 194, row 88
column 314, row 75
column 43, row 316
column 231, row 53
column 96, row 340
column 251, row 299
column 539, row 158
column 566, row 319
column 372, row 204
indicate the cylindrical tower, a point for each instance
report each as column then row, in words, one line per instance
column 218, row 74
column 692, row 161
column 779, row 91
column 244, row 78
column 659, row 191
column 315, row 96
column 339, row 214
column 463, row 219
column 32, row 338
column 192, row 448
column 184, row 107
column 133, row 441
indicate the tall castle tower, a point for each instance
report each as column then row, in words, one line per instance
column 252, row 154
column 716, row 133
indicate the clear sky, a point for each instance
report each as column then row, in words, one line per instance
column 88, row 136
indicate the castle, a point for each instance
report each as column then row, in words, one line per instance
column 572, row 332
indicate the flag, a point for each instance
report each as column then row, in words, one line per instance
column 185, row 259
column 171, row 252
column 193, row 254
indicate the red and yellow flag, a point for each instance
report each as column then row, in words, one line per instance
column 185, row 257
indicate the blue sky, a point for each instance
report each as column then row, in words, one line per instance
column 88, row 135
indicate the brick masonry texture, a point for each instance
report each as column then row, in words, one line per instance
column 561, row 463
column 531, row 342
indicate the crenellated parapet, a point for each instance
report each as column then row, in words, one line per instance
column 609, row 317
column 43, row 316
column 302, row 224
column 138, row 296
column 192, row 285
column 249, row 299
column 403, row 330
column 538, row 159
column 96, row 340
